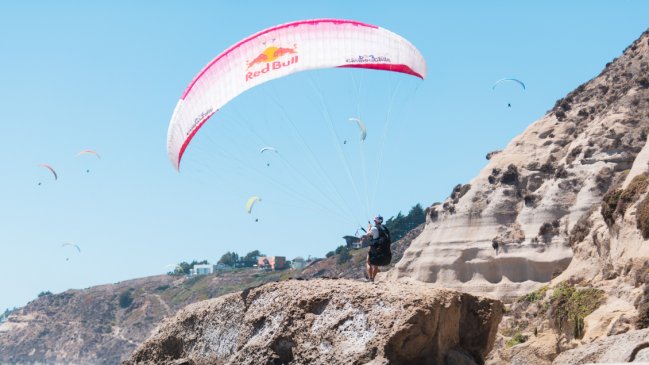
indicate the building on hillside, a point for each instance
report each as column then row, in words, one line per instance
column 271, row 262
column 355, row 243
column 203, row 269
column 298, row 263
column 352, row 242
column 221, row 266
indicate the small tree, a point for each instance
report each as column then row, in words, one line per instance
column 229, row 258
column 344, row 256
column 126, row 298
column 329, row 254
column 250, row 259
column 182, row 268
column 44, row 293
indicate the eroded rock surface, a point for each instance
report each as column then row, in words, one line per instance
column 632, row 346
column 328, row 322
column 509, row 229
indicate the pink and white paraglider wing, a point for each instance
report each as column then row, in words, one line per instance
column 277, row 52
column 47, row 166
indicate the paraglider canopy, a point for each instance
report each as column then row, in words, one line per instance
column 251, row 202
column 56, row 177
column 71, row 245
column 91, row 152
column 508, row 80
column 279, row 51
column 268, row 149
column 361, row 126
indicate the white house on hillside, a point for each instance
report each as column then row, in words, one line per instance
column 203, row 269
column 298, row 263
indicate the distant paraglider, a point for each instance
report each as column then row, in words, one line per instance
column 89, row 152
column 273, row 149
column 56, row 176
column 361, row 126
column 268, row 149
column 251, row 202
column 508, row 80
column 517, row 81
column 71, row 245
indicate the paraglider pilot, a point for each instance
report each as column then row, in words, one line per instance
column 379, row 254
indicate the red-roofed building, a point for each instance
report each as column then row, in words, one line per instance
column 271, row 262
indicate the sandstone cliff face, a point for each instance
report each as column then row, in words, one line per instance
column 607, row 238
column 324, row 321
column 628, row 347
column 508, row 230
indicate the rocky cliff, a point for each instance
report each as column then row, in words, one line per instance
column 521, row 221
column 556, row 225
column 324, row 321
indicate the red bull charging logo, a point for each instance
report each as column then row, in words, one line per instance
column 270, row 57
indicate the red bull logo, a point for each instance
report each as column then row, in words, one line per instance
column 270, row 57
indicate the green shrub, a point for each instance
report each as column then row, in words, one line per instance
column 510, row 176
column 516, row 339
column 636, row 187
column 534, row 296
column 126, row 298
column 569, row 306
column 609, row 204
column 344, row 256
column 643, row 317
column 642, row 217
column 581, row 230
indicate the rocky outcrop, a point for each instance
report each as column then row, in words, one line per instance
column 628, row 347
column 512, row 229
column 324, row 321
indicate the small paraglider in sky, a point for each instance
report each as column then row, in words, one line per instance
column 361, row 126
column 73, row 246
column 506, row 80
column 89, row 152
column 47, row 166
column 268, row 149
column 251, row 202
column 517, row 81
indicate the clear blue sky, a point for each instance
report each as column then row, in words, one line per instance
column 107, row 75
